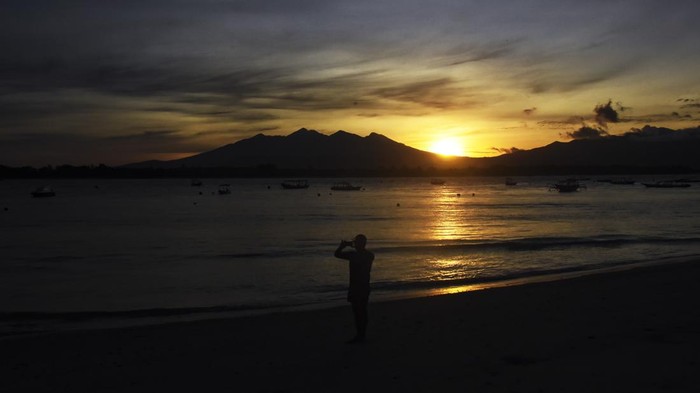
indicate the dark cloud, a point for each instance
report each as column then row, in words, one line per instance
column 435, row 93
column 539, row 81
column 506, row 150
column 586, row 132
column 40, row 149
column 464, row 53
column 605, row 114
column 677, row 115
column 660, row 117
column 561, row 124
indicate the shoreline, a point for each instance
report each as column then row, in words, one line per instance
column 629, row 330
column 40, row 323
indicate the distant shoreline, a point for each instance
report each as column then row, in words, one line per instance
column 264, row 171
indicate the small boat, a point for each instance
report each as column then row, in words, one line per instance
column 511, row 182
column 568, row 185
column 437, row 182
column 666, row 184
column 224, row 189
column 196, row 183
column 345, row 186
column 43, row 192
column 296, row 184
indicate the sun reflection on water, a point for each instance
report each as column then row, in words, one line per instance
column 451, row 216
column 453, row 221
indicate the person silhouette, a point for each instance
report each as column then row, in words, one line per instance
column 360, row 264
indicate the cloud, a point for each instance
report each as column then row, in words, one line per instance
column 661, row 117
column 676, row 115
column 605, row 114
column 548, row 78
column 506, row 150
column 437, row 93
column 586, row 132
column 42, row 148
column 476, row 52
column 106, row 68
column 561, row 124
column 529, row 111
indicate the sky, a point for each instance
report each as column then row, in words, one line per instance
column 114, row 82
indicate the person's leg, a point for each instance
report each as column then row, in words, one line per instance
column 359, row 309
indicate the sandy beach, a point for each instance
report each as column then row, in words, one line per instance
column 630, row 331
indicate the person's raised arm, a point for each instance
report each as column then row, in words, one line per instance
column 339, row 250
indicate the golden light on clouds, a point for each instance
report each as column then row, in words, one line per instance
column 470, row 79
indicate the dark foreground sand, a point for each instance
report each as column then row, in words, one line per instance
column 631, row 331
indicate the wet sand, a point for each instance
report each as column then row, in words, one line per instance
column 630, row 331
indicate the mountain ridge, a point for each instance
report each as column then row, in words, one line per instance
column 306, row 148
column 342, row 150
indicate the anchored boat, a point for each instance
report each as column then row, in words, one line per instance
column 345, row 186
column 296, row 184
column 568, row 185
column 43, row 192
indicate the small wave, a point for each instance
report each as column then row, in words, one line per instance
column 416, row 285
column 266, row 255
column 534, row 244
column 456, row 246
column 246, row 255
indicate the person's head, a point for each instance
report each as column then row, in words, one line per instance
column 360, row 242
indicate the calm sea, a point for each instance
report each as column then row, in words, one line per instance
column 137, row 251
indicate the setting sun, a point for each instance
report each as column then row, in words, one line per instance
column 447, row 147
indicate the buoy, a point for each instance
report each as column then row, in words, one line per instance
column 459, row 195
column 398, row 204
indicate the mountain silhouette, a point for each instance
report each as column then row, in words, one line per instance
column 309, row 149
column 646, row 147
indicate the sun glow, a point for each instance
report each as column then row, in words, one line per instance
column 447, row 147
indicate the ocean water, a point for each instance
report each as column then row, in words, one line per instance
column 137, row 251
